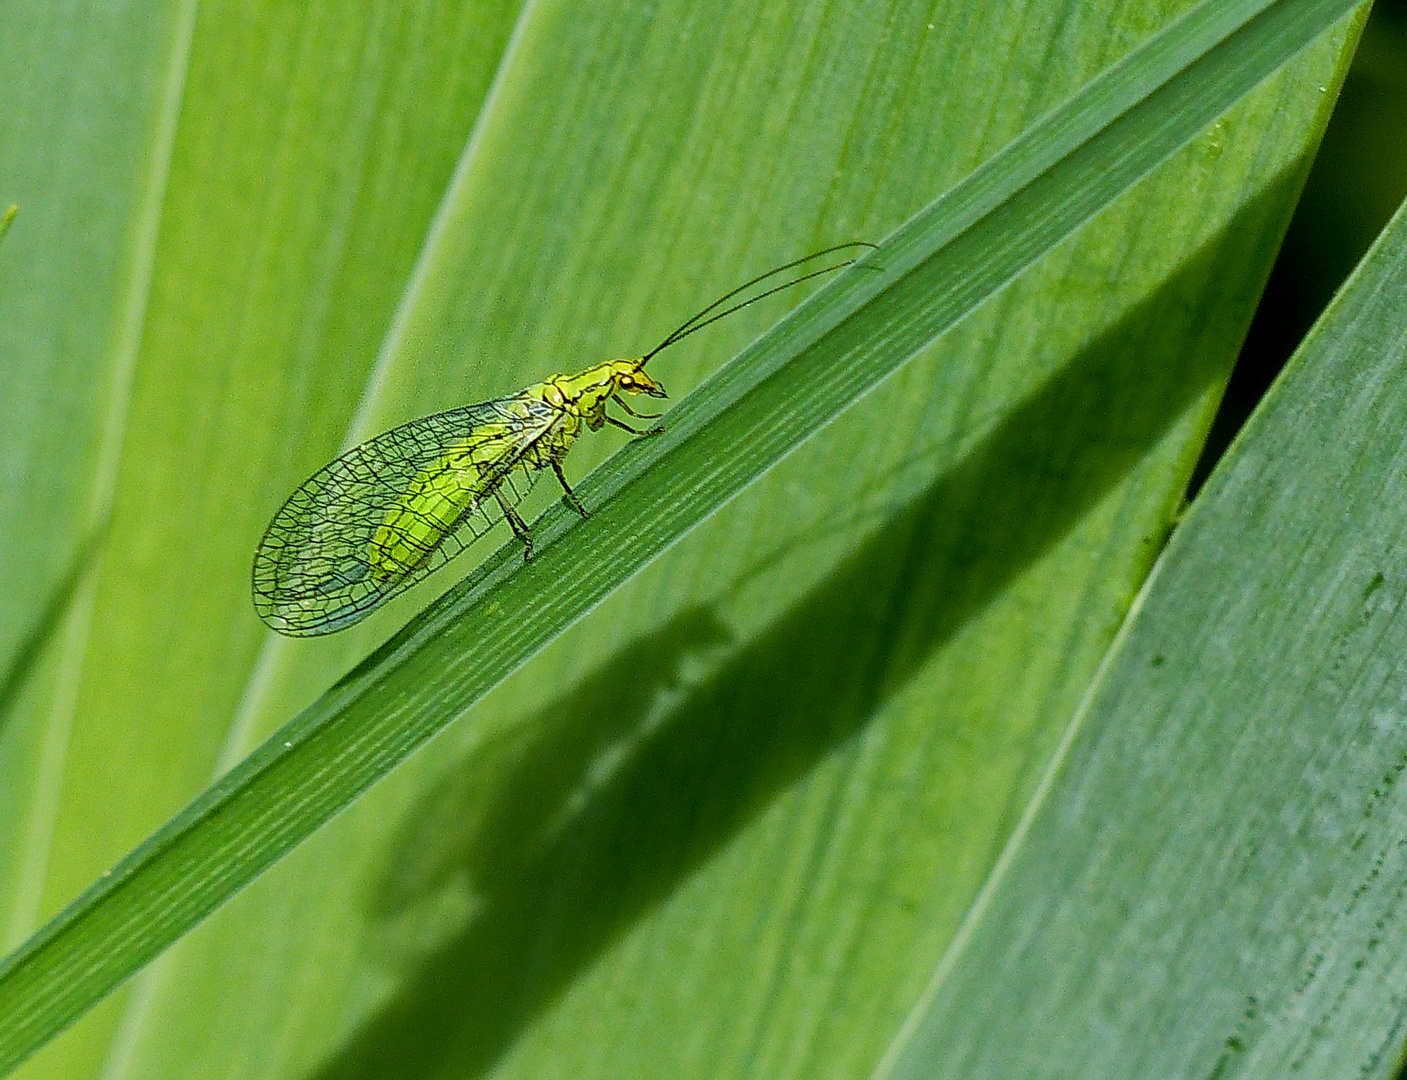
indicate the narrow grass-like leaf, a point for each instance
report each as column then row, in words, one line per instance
column 935, row 270
column 821, row 664
column 1212, row 883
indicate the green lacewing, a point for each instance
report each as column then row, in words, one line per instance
column 379, row 518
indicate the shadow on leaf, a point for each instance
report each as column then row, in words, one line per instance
column 533, row 856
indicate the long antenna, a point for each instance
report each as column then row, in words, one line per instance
column 698, row 322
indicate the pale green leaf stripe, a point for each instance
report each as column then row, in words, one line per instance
column 1215, row 883
column 936, row 269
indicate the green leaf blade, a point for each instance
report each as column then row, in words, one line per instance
column 377, row 733
column 220, row 206
column 1211, row 884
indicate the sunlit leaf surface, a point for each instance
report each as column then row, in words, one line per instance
column 726, row 824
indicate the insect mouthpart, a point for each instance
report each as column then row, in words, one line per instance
column 634, row 380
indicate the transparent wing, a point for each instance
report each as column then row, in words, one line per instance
column 312, row 572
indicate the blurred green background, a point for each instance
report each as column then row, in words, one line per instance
column 875, row 786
